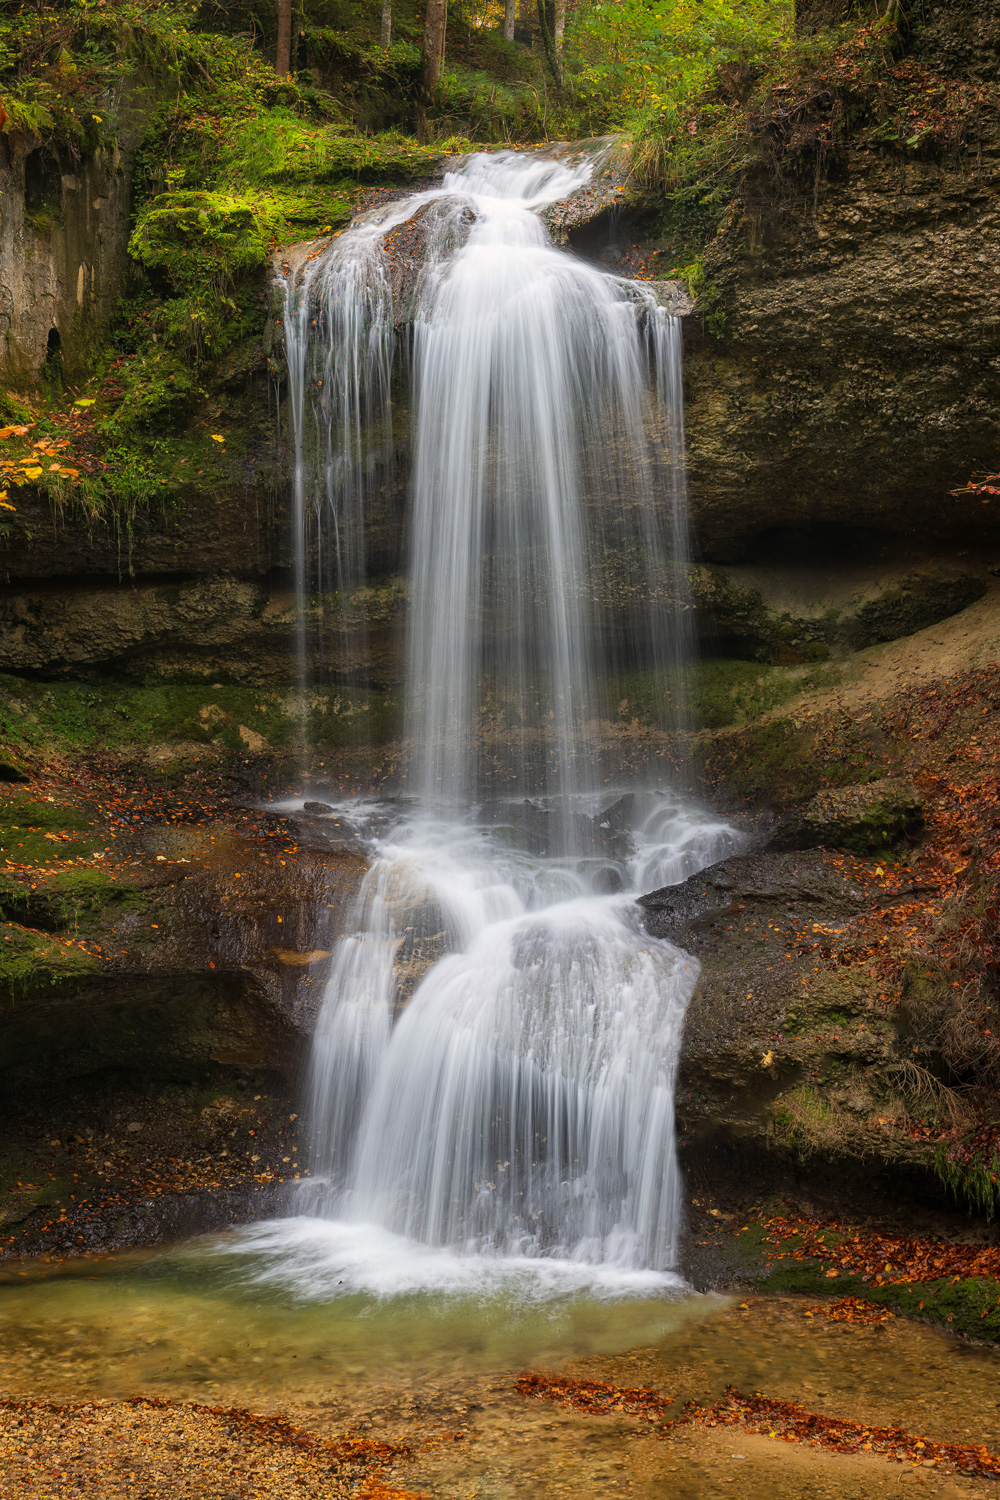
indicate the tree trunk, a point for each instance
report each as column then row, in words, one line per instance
column 547, row 13
column 386, row 22
column 437, row 16
column 283, row 53
column 559, row 28
column 509, row 19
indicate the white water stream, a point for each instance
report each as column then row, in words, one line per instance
column 493, row 1071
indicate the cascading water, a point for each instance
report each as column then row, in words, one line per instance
column 494, row 1064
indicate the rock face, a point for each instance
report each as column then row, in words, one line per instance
column 200, row 591
column 64, row 229
column 786, row 1052
column 858, row 376
column 855, row 384
column 858, row 379
column 215, row 974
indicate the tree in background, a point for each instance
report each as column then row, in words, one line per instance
column 283, row 51
column 435, row 21
column 386, row 36
column 639, row 60
column 552, row 24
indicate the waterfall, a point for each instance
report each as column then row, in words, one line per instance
column 494, row 1064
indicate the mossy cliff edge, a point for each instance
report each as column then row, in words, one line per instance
column 839, row 363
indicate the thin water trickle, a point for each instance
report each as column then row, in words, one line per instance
column 493, row 1069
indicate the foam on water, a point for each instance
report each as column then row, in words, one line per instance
column 323, row 1259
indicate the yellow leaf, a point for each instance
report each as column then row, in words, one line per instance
column 5, row 506
column 98, row 119
column 85, row 401
column 35, row 473
column 217, row 437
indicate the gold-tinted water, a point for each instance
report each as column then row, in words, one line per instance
column 184, row 1328
column 421, row 1369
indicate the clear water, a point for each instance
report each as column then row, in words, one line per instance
column 324, row 1305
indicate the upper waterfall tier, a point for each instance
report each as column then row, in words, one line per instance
column 547, row 535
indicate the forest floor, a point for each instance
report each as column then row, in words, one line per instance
column 964, row 642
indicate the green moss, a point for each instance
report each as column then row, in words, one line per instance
column 13, row 409
column 778, row 762
column 975, row 1181
column 158, row 390
column 192, row 236
column 867, row 817
column 707, row 297
column 970, row 1306
column 67, row 900
column 804, row 1120
column 713, row 693
column 765, row 762
column 70, row 715
column 33, row 832
column 881, row 826
column 31, row 962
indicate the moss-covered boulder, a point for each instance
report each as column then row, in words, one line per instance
column 863, row 818
column 792, row 1066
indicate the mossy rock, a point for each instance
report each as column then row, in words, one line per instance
column 188, row 236
column 380, row 159
column 862, row 819
column 69, row 900
column 31, row 963
column 915, row 604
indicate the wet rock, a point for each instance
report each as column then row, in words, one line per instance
column 786, row 1045
column 782, row 880
column 615, row 825
column 862, row 819
column 318, row 809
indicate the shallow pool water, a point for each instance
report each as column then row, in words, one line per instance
column 274, row 1309
column 226, row 1322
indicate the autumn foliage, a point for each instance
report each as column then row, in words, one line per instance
column 786, row 1421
